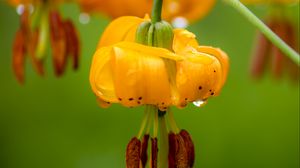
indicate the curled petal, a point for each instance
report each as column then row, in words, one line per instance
column 198, row 77
column 102, row 103
column 18, row 60
column 223, row 59
column 183, row 39
column 101, row 78
column 58, row 42
column 120, row 29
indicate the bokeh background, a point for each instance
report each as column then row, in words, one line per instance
column 56, row 123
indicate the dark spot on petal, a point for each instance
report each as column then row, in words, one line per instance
column 185, row 98
column 138, row 102
column 140, row 98
column 162, row 103
column 119, row 99
column 214, row 70
column 108, row 102
column 200, row 87
column 130, row 99
column 210, row 90
column 212, row 93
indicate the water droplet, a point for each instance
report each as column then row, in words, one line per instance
column 84, row 18
column 20, row 9
column 200, row 103
column 180, row 22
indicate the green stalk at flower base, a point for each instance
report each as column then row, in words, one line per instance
column 278, row 42
column 156, row 11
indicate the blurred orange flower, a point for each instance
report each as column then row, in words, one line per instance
column 191, row 10
column 41, row 21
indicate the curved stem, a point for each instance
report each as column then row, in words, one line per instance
column 287, row 50
column 156, row 11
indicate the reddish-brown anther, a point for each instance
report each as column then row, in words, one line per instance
column 72, row 42
column 133, row 153
column 172, row 150
column 24, row 24
column 261, row 54
column 18, row 60
column 154, row 153
column 277, row 56
column 37, row 64
column 178, row 155
column 189, row 145
column 292, row 68
column 58, row 42
column 144, row 155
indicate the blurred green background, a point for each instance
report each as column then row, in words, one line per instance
column 56, row 123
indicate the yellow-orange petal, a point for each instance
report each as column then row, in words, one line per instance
column 119, row 29
column 183, row 39
column 198, row 77
column 190, row 9
column 223, row 59
column 101, row 78
column 259, row 2
column 140, row 77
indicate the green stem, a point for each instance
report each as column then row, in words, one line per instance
column 163, row 143
column 287, row 50
column 156, row 11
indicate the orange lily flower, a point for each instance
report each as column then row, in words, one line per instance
column 39, row 20
column 125, row 72
column 190, row 10
column 133, row 74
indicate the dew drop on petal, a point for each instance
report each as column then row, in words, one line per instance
column 180, row 22
column 20, row 9
column 84, row 18
column 200, row 103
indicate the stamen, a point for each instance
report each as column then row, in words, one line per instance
column 163, row 141
column 154, row 152
column 172, row 122
column 144, row 122
column 144, row 154
column 189, row 145
column 133, row 153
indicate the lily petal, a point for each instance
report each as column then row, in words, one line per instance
column 119, row 29
column 223, row 59
column 198, row 77
column 136, row 75
column 101, row 78
column 183, row 39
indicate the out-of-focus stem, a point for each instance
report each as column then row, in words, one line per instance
column 278, row 42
